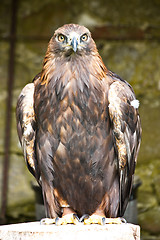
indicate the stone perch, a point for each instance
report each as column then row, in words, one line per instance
column 34, row 230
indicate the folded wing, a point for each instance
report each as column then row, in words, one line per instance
column 26, row 127
column 127, row 134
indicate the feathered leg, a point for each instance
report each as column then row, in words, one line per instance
column 55, row 206
column 99, row 216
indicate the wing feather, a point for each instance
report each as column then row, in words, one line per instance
column 127, row 134
column 26, row 127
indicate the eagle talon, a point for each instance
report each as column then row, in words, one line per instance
column 103, row 221
column 85, row 216
column 56, row 221
column 76, row 217
column 123, row 220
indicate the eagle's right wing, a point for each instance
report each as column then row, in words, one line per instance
column 26, row 127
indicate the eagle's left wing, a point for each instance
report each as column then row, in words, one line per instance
column 26, row 127
column 126, row 128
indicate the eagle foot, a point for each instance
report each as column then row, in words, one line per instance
column 101, row 220
column 47, row 221
column 118, row 220
column 71, row 218
column 94, row 219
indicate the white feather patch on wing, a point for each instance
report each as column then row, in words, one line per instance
column 135, row 103
column 28, row 129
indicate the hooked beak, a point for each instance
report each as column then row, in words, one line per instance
column 74, row 44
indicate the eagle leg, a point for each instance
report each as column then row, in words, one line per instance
column 68, row 217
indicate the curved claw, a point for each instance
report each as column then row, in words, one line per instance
column 76, row 217
column 123, row 220
column 85, row 216
column 103, row 221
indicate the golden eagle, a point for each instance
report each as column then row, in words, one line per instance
column 80, row 131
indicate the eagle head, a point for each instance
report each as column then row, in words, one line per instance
column 72, row 39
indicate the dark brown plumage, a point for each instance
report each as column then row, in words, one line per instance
column 79, row 127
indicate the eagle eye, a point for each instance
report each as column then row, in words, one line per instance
column 61, row 38
column 84, row 37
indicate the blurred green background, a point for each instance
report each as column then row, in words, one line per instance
column 127, row 34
